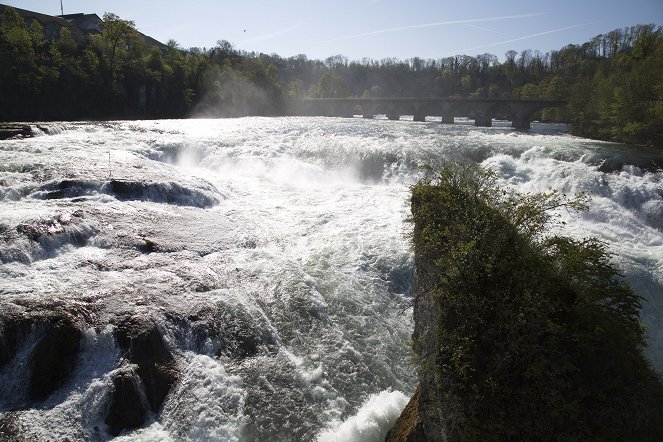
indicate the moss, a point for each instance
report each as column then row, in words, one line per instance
column 534, row 336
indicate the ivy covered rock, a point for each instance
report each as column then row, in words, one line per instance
column 521, row 335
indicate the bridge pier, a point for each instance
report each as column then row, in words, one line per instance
column 520, row 122
column 483, row 120
column 446, row 107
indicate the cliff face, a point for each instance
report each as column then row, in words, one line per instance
column 520, row 335
column 427, row 336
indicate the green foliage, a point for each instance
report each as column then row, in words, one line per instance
column 119, row 74
column 331, row 86
column 538, row 336
column 113, row 42
column 623, row 98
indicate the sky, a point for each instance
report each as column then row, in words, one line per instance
column 371, row 28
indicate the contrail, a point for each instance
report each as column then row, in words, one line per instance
column 274, row 34
column 521, row 38
column 489, row 30
column 432, row 25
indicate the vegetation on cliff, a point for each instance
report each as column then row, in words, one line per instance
column 613, row 81
column 528, row 336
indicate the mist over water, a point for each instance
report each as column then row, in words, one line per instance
column 287, row 234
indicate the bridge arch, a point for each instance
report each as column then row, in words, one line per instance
column 484, row 113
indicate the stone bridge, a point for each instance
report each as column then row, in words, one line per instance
column 482, row 109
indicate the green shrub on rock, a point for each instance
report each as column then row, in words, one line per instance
column 522, row 335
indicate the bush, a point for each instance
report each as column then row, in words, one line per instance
column 534, row 336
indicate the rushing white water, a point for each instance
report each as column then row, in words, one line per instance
column 293, row 231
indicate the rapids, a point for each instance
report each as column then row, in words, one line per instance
column 273, row 254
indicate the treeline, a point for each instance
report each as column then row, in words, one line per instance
column 613, row 82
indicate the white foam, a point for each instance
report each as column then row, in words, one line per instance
column 372, row 421
column 207, row 404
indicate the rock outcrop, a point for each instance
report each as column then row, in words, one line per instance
column 15, row 131
column 53, row 358
column 128, row 406
column 146, row 348
column 13, row 330
column 521, row 335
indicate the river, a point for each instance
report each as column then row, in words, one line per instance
column 287, row 235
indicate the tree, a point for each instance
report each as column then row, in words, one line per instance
column 332, row 86
column 115, row 36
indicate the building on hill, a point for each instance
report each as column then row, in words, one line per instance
column 51, row 24
column 89, row 23
column 80, row 25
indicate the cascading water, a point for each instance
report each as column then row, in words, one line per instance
column 263, row 263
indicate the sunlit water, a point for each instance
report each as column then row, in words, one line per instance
column 295, row 230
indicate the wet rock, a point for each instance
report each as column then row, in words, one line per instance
column 68, row 188
column 128, row 408
column 408, row 427
column 10, row 428
column 149, row 246
column 62, row 224
column 241, row 334
column 127, row 190
column 146, row 348
column 168, row 192
column 38, row 238
column 224, row 330
column 53, row 359
column 8, row 131
column 13, row 330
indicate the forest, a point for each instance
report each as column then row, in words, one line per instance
column 613, row 82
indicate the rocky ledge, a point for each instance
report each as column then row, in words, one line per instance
column 11, row 131
column 45, row 351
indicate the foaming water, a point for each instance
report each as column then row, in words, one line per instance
column 371, row 422
column 274, row 253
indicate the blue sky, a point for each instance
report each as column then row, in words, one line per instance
column 371, row 28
